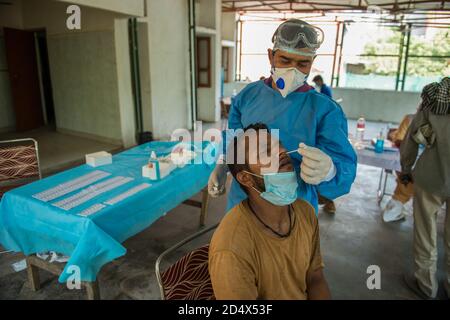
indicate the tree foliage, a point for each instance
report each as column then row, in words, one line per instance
column 439, row 45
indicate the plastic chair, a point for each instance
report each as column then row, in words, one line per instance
column 19, row 163
column 188, row 278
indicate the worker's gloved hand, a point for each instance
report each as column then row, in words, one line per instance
column 316, row 166
column 217, row 180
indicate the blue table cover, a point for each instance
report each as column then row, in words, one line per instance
column 31, row 226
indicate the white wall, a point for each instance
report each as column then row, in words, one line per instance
column 125, row 89
column 229, row 35
column 83, row 69
column 168, row 66
column 377, row 105
column 89, row 68
column 205, row 13
column 208, row 98
column 128, row 7
column 228, row 26
column 144, row 65
column 84, row 79
column 374, row 105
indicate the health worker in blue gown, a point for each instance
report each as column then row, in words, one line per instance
column 307, row 121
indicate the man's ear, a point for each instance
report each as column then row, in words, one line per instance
column 244, row 179
column 270, row 56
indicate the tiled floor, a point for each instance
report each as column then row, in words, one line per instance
column 58, row 151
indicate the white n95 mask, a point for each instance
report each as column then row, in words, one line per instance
column 288, row 80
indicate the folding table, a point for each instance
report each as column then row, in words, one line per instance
column 31, row 225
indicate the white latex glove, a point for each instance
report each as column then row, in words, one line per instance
column 217, row 180
column 316, row 166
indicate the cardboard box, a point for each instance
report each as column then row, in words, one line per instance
column 157, row 170
column 98, row 159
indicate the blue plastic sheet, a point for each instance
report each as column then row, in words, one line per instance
column 31, row 226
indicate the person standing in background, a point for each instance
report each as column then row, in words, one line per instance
column 322, row 87
column 431, row 175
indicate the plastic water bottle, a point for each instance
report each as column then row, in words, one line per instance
column 360, row 128
column 379, row 145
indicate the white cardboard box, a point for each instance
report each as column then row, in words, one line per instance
column 98, row 159
column 157, row 170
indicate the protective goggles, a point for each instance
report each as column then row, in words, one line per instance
column 298, row 37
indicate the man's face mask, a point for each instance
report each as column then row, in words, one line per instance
column 288, row 80
column 281, row 188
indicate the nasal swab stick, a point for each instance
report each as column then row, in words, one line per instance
column 296, row 150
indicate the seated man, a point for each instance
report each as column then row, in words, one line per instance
column 268, row 246
column 394, row 209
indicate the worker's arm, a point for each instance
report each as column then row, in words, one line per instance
column 232, row 277
column 409, row 147
column 332, row 138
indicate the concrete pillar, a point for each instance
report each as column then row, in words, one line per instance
column 125, row 91
column 166, row 100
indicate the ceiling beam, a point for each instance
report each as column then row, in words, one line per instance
column 398, row 6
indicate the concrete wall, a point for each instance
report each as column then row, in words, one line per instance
column 128, row 7
column 52, row 15
column 83, row 68
column 204, row 13
column 85, row 100
column 228, row 26
column 229, row 35
column 89, row 68
column 377, row 105
column 168, row 66
column 374, row 105
column 125, row 90
column 7, row 119
column 144, row 64
column 210, row 16
column 11, row 17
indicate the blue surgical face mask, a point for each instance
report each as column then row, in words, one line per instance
column 281, row 188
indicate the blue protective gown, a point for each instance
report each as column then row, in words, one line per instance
column 308, row 117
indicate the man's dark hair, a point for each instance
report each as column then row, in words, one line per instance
column 233, row 164
column 318, row 78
